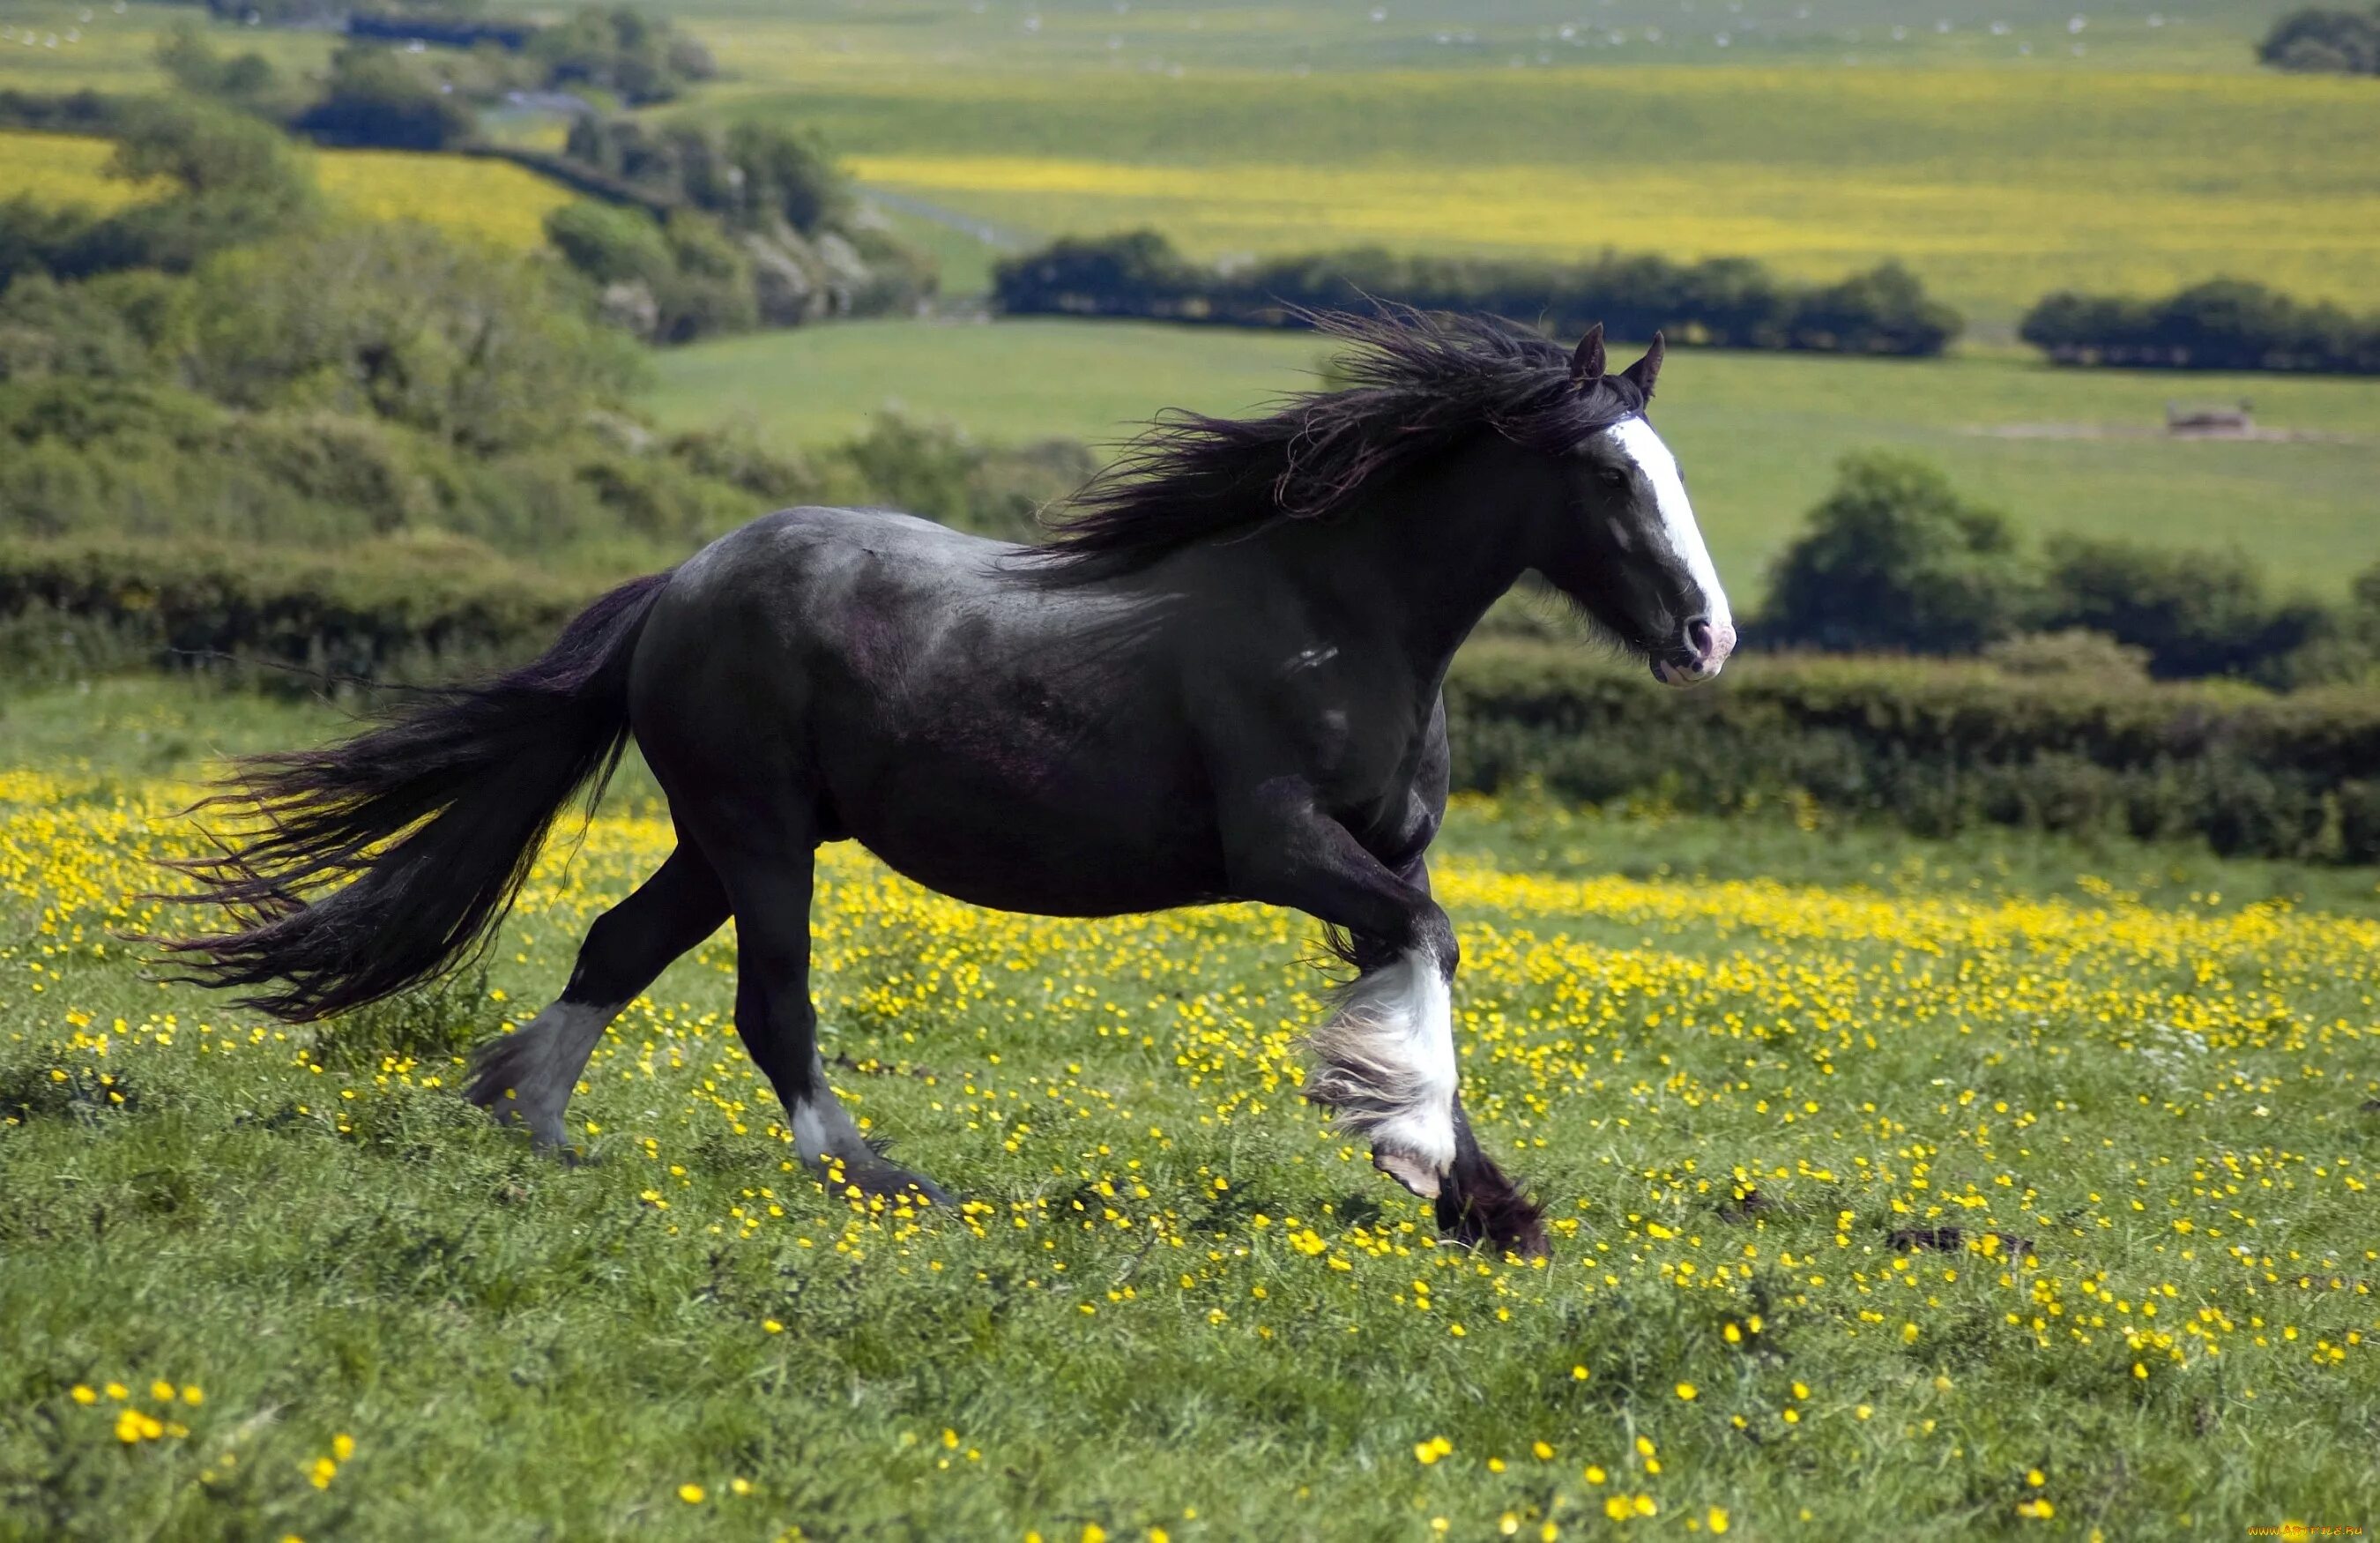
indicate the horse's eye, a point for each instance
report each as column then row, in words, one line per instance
column 1612, row 478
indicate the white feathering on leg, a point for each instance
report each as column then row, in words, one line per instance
column 1388, row 1069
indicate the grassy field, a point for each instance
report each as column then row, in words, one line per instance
column 2140, row 151
column 1758, row 434
column 1995, row 187
column 493, row 200
column 1969, row 1197
column 1997, row 182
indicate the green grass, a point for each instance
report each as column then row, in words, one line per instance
column 1758, row 433
column 2145, row 1105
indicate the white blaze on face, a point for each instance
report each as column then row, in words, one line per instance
column 1644, row 447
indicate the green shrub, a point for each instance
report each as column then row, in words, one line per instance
column 375, row 97
column 2196, row 612
column 466, row 342
column 380, row 612
column 2320, row 38
column 1894, row 558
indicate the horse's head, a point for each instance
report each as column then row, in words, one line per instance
column 1624, row 545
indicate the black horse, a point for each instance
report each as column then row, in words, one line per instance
column 1219, row 681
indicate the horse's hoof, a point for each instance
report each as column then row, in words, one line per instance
column 887, row 1182
column 1487, row 1209
column 1410, row 1172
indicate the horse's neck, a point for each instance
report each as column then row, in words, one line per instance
column 1413, row 565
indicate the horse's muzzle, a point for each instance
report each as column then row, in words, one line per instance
column 1699, row 653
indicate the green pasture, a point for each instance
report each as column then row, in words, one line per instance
column 1758, row 434
column 2155, row 156
column 1969, row 1190
column 1995, row 178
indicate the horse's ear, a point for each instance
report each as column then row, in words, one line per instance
column 1587, row 365
column 1646, row 370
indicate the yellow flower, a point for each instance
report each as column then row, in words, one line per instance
column 1686, row 1392
column 1594, row 1475
column 2034, row 1476
column 690, row 1494
column 162, row 1391
column 1716, row 1520
column 1094, row 1533
column 773, row 1326
column 81, row 1394
column 342, row 1446
column 322, row 1473
column 1909, row 1334
column 192, row 1396
column 1545, row 1453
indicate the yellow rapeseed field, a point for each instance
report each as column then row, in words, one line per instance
column 61, row 169
column 1845, row 1184
column 493, row 200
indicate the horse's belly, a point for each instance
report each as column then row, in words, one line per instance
column 1045, row 867
column 1100, row 830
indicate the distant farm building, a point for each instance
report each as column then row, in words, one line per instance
column 2209, row 423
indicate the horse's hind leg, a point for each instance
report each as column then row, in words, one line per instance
column 527, row 1077
column 768, row 880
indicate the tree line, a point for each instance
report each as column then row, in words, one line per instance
column 1724, row 302
column 2221, row 324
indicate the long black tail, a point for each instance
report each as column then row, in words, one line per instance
column 434, row 816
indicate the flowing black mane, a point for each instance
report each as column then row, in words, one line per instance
column 1421, row 380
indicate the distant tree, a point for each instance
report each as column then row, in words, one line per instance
column 1882, row 312
column 757, row 176
column 1895, row 559
column 784, row 174
column 1133, row 273
column 373, row 97
column 611, row 244
column 247, row 81
column 2321, row 39
column 237, row 180
column 623, row 51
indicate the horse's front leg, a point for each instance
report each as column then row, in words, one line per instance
column 1387, row 1066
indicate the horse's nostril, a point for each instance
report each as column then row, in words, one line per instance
column 1699, row 638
